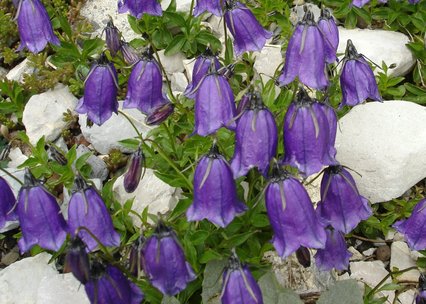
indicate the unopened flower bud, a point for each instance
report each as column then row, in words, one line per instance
column 134, row 171
column 160, row 114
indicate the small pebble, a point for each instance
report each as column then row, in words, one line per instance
column 383, row 253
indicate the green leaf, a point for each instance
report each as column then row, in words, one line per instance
column 274, row 293
column 209, row 255
column 134, row 24
column 347, row 291
column 212, row 284
column 175, row 45
column 175, row 19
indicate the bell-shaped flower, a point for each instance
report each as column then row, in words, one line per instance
column 77, row 260
column 330, row 114
column 292, row 215
column 165, row 263
column 100, row 92
column 134, row 171
column 214, row 105
column 215, row 193
column 357, row 79
column 108, row 285
column 341, row 205
column 256, row 139
column 7, row 203
column 414, row 228
column 211, row 6
column 244, row 104
column 239, row 285
column 112, row 38
column 40, row 217
column 137, row 8
column 328, row 29
column 35, row 28
column 359, row 3
column 144, row 90
column 248, row 34
column 87, row 209
column 307, row 140
column 305, row 56
column 335, row 254
column 160, row 114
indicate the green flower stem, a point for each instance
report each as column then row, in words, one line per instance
column 101, row 246
column 133, row 126
column 11, row 175
column 171, row 138
column 191, row 12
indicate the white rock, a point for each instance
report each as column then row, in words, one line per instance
column 181, row 5
column 43, row 114
column 313, row 187
column 151, row 192
column 216, row 24
column 401, row 259
column 18, row 72
column 172, row 64
column 61, row 288
column 407, row 297
column 378, row 46
column 99, row 168
column 385, row 144
column 297, row 12
column 267, row 61
column 369, row 251
column 356, row 255
column 107, row 137
column 179, row 82
column 189, row 67
column 3, row 72
column 16, row 158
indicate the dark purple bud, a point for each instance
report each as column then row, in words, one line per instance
column 35, row 28
column 335, row 254
column 211, row 6
column 112, row 38
column 256, row 139
column 87, row 209
column 244, row 103
column 7, row 203
column 303, row 256
column 292, row 215
column 77, row 260
column 341, row 205
column 359, row 3
column 134, row 171
column 165, row 263
column 239, row 285
column 40, row 217
column 160, row 114
column 227, row 71
column 215, row 193
column 130, row 55
column 57, row 155
column 137, row 8
column 108, row 285
column 100, row 92
column 357, row 79
column 136, row 260
column 214, row 105
column 422, row 281
column 305, row 56
column 328, row 29
column 248, row 34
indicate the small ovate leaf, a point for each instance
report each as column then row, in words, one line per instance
column 212, row 282
column 346, row 291
column 274, row 293
column 175, row 45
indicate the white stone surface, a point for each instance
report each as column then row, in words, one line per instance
column 61, row 288
column 297, row 12
column 356, row 255
column 43, row 114
column 99, row 168
column 18, row 72
column 189, row 67
column 151, row 192
column 16, row 158
column 401, row 259
column 179, row 82
column 267, row 61
column 172, row 64
column 216, row 25
column 181, row 5
column 313, row 187
column 407, row 297
column 369, row 251
column 378, row 46
column 107, row 137
column 385, row 143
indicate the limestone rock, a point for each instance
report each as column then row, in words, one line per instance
column 99, row 168
column 401, row 259
column 267, row 61
column 297, row 12
column 16, row 158
column 179, row 82
column 18, row 72
column 407, row 297
column 61, row 288
column 172, row 64
column 181, row 5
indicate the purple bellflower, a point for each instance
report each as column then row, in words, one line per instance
column 100, row 92
column 160, row 114
column 107, row 285
column 328, row 28
column 165, row 263
column 239, row 285
column 35, row 28
column 134, row 171
column 77, row 260
column 359, row 3
column 211, row 6
column 307, row 140
column 144, row 90
column 341, row 205
column 244, row 103
column 112, row 38
column 7, row 203
column 421, row 295
column 291, row 214
column 87, row 209
column 335, row 254
column 256, row 139
column 215, row 193
column 305, row 56
column 40, row 217
column 357, row 79
column 248, row 34
column 331, row 116
column 414, row 228
column 139, row 7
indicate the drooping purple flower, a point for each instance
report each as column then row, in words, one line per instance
column 214, row 105
column 335, row 254
column 215, row 193
column 77, row 260
column 35, row 28
column 40, row 217
column 248, row 34
column 328, row 29
column 359, row 3
column 107, row 285
column 160, row 114
column 134, row 171
column 87, row 209
column 100, row 92
column 7, row 203
column 243, row 104
column 112, row 38
column 292, row 215
column 357, row 79
column 165, row 263
column 331, row 116
column 307, row 140
column 239, row 285
column 305, row 56
column 130, row 55
column 341, row 205
column 137, row 8
column 211, row 6
column 414, row 228
column 256, row 139
column 144, row 90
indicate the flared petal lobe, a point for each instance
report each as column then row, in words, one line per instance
column 203, row 65
column 211, row 6
column 137, row 8
column 112, row 38
column 335, row 254
column 359, row 3
column 414, row 228
column 7, row 203
column 328, row 29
